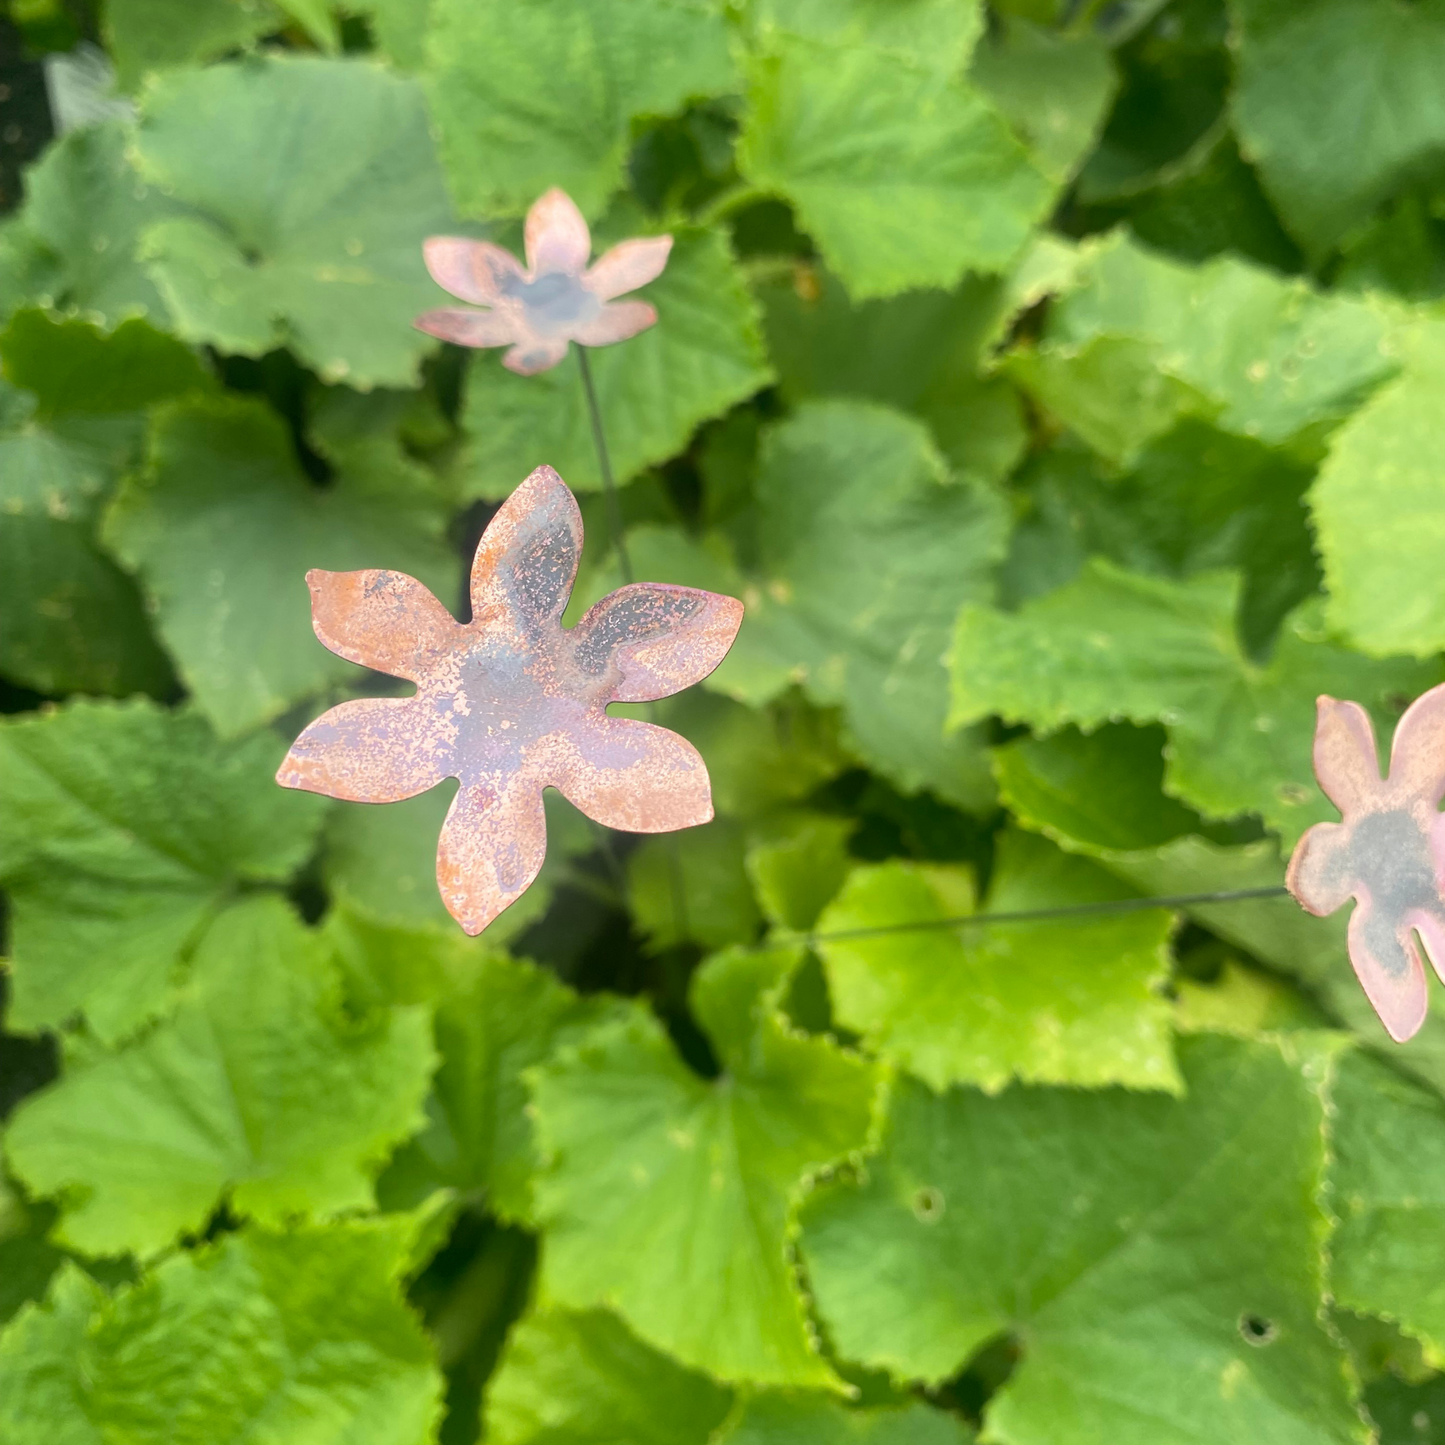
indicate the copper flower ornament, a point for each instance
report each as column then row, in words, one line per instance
column 512, row 701
column 556, row 299
column 1388, row 853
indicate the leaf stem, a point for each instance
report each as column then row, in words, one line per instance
column 730, row 200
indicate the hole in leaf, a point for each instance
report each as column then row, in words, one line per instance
column 928, row 1204
column 1256, row 1330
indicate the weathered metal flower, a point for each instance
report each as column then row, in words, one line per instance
column 512, row 702
column 1388, row 853
column 555, row 300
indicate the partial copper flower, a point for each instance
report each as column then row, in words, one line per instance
column 512, row 701
column 537, row 311
column 1388, row 853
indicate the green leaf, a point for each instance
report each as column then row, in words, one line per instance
column 584, row 1378
column 1379, row 512
column 505, row 1018
column 904, row 177
column 301, row 1337
column 222, row 528
column 704, row 355
column 1160, row 1260
column 799, row 868
column 774, row 1418
column 670, row 1198
column 399, row 29
column 143, row 36
column 1114, row 645
column 1138, row 340
column 1387, row 1190
column 936, row 34
column 1339, row 105
column 258, row 1090
column 85, row 211
column 27, row 1258
column 691, row 886
column 322, row 254
column 1074, row 1001
column 866, row 547
column 528, row 94
column 122, row 828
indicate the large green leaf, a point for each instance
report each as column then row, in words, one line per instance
column 530, row 94
column 222, row 528
column 704, row 355
column 322, row 253
column 904, row 177
column 774, row 1418
column 122, row 829
column 1074, row 1001
column 670, row 1198
column 693, row 886
column 301, row 1337
column 1114, row 645
column 1138, row 340
column 1339, row 105
column 938, row 34
column 258, row 1090
column 1379, row 511
column 583, row 1378
column 1160, row 1261
column 866, row 546
column 148, row 35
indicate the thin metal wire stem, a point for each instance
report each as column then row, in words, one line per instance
column 619, row 545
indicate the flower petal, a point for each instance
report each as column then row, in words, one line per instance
column 467, row 328
column 383, row 620
column 557, row 237
column 1346, row 762
column 626, row 267
column 371, row 750
column 529, row 356
column 527, row 559
column 1417, row 755
column 655, row 639
column 1319, row 875
column 1431, row 928
column 492, row 846
column 1387, row 963
column 615, row 322
column 633, row 776
column 476, row 271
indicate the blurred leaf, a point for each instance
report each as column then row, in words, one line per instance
column 799, row 868
column 144, row 36
column 257, row 1090
column 582, row 1377
column 905, row 178
column 704, row 355
column 1073, row 1001
column 774, row 1418
column 244, row 1337
column 222, row 527
column 671, row 1197
column 1114, row 645
column 691, row 886
column 322, row 254
column 1339, row 104
column 530, row 94
column 1379, row 511
column 936, row 34
column 123, row 828
column 1152, row 1255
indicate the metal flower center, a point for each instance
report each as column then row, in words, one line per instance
column 1390, row 852
column 554, row 302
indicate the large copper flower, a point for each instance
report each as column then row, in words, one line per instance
column 555, row 300
column 512, row 701
column 1388, row 853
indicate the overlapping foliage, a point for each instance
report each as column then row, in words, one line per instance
column 1059, row 384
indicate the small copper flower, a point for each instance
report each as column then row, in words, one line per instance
column 512, row 701
column 537, row 311
column 1388, row 853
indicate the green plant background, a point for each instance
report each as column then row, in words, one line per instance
column 1060, row 385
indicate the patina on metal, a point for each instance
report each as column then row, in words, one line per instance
column 537, row 310
column 513, row 702
column 1388, row 853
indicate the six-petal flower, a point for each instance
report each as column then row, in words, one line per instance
column 1388, row 853
column 537, row 311
column 512, row 701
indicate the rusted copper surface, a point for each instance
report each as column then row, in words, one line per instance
column 1388, row 853
column 512, row 701
column 554, row 300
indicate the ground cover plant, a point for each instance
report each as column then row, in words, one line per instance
column 1059, row 385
